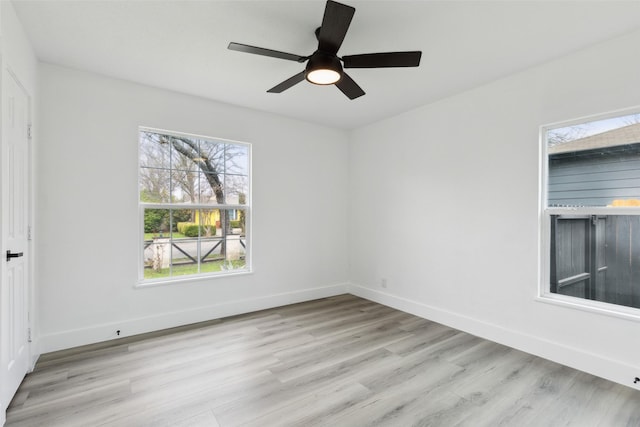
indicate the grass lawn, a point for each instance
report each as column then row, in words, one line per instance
column 186, row 269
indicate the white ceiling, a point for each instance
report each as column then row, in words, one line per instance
column 182, row 45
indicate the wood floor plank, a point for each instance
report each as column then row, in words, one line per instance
column 339, row 361
column 306, row 411
column 308, row 386
column 401, row 399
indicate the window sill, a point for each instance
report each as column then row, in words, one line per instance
column 175, row 281
column 598, row 307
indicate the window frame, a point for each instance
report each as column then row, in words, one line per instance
column 544, row 293
column 143, row 282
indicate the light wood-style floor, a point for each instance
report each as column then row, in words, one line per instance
column 341, row 361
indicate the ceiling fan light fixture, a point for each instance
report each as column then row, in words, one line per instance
column 323, row 69
column 323, row 76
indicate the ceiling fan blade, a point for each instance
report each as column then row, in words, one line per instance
column 335, row 23
column 266, row 52
column 382, row 60
column 291, row 81
column 349, row 87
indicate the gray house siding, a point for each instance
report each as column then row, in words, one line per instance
column 594, row 177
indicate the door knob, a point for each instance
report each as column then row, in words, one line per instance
column 12, row 255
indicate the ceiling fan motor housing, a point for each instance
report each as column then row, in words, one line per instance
column 322, row 61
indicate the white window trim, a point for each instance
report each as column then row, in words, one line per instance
column 544, row 293
column 247, row 208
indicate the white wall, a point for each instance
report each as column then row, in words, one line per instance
column 444, row 205
column 88, row 215
column 16, row 48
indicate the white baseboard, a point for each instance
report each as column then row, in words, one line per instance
column 105, row 332
column 575, row 358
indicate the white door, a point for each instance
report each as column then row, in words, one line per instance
column 14, row 296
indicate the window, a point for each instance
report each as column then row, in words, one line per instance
column 591, row 219
column 194, row 198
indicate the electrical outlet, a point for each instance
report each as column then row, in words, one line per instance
column 383, row 283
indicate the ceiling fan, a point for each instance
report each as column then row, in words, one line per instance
column 324, row 65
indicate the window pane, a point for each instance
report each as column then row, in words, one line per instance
column 213, row 154
column 185, row 154
column 184, row 186
column 155, row 152
column 595, row 163
column 184, row 256
column 211, row 188
column 236, row 252
column 211, row 249
column 154, row 185
column 157, row 222
column 237, row 223
column 188, row 162
column 182, row 218
column 209, row 221
column 237, row 188
column 596, row 257
column 236, row 159
column 157, row 258
column 235, row 238
column 156, row 247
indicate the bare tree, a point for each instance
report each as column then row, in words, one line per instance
column 185, row 177
column 208, row 164
column 631, row 119
column 566, row 134
column 154, row 173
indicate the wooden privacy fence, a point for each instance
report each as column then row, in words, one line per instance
column 596, row 257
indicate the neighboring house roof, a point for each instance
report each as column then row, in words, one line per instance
column 621, row 136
